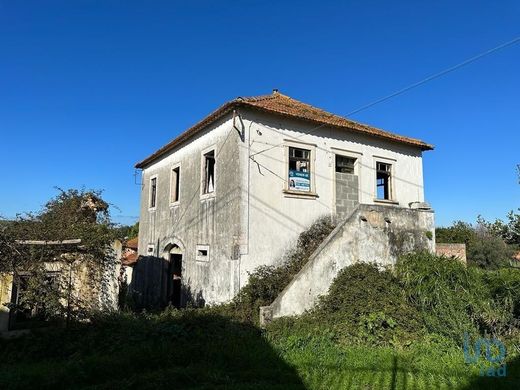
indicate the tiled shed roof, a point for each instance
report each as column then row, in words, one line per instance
column 132, row 243
column 280, row 104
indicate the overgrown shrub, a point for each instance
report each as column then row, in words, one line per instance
column 485, row 245
column 454, row 299
column 368, row 303
column 443, row 290
column 267, row 282
column 425, row 297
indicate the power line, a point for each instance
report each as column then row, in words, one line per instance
column 436, row 75
column 406, row 89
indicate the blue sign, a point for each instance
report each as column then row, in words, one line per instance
column 299, row 181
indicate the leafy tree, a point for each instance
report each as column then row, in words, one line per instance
column 128, row 231
column 72, row 214
column 484, row 248
column 459, row 232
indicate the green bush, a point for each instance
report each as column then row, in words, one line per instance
column 485, row 247
column 364, row 305
column 454, row 299
column 447, row 294
column 423, row 297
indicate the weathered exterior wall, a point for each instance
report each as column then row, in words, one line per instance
column 274, row 218
column 252, row 219
column 372, row 233
column 195, row 220
column 451, row 250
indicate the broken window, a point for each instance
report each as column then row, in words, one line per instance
column 383, row 172
column 209, row 173
column 175, row 182
column 345, row 164
column 299, row 169
column 153, row 192
column 202, row 253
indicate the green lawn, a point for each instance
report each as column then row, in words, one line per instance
column 201, row 351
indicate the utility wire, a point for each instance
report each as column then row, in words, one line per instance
column 409, row 87
column 436, row 75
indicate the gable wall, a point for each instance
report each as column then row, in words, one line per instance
column 196, row 220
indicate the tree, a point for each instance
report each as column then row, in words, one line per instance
column 459, row 232
column 127, row 232
column 72, row 214
column 483, row 248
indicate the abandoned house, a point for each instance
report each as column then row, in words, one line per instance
column 234, row 191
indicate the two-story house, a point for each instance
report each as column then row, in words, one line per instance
column 234, row 191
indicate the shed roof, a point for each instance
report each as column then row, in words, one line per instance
column 132, row 243
column 280, row 104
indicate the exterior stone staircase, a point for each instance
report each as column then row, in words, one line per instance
column 370, row 233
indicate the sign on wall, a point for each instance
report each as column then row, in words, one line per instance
column 299, row 181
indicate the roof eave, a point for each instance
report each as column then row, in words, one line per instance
column 411, row 142
column 227, row 107
column 192, row 131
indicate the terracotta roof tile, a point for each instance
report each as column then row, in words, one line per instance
column 129, row 259
column 132, row 243
column 281, row 104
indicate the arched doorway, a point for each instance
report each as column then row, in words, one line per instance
column 175, row 276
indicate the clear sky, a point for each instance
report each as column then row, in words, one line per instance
column 88, row 88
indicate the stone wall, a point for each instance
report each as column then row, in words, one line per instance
column 451, row 250
column 371, row 233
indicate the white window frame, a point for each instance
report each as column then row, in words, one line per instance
column 156, row 177
column 202, row 247
column 172, row 186
column 150, row 250
column 312, row 161
column 206, row 195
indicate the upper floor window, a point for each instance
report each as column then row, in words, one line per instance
column 175, row 184
column 299, row 169
column 153, row 192
column 208, row 184
column 383, row 181
column 345, row 164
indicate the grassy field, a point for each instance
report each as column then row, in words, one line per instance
column 192, row 350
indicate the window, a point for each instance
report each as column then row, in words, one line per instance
column 202, row 253
column 299, row 169
column 153, row 192
column 150, row 249
column 175, row 184
column 208, row 185
column 345, row 164
column 383, row 172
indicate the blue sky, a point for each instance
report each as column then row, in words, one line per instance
column 88, row 88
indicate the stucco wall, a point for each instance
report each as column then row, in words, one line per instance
column 251, row 220
column 195, row 220
column 275, row 218
column 370, row 234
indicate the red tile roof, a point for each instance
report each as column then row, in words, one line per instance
column 281, row 104
column 132, row 243
column 129, row 258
